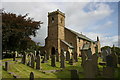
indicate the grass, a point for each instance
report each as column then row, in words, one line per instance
column 23, row 71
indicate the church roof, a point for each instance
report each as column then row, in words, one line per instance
column 80, row 35
column 67, row 44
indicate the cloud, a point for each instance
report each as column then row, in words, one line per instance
column 77, row 18
column 104, row 26
column 104, row 39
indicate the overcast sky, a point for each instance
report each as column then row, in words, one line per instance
column 91, row 18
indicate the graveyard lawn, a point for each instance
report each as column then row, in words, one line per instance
column 47, row 71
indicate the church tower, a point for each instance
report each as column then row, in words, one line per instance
column 56, row 24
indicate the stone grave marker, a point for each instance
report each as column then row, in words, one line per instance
column 57, row 55
column 32, row 61
column 75, row 57
column 24, row 58
column 108, row 72
column 89, row 53
column 31, row 76
column 74, row 75
column 89, row 69
column 6, row 66
column 45, row 57
column 104, row 54
column 38, row 62
column 62, row 59
column 53, row 61
column 84, row 57
column 95, row 63
column 14, row 56
column 109, row 61
column 67, row 56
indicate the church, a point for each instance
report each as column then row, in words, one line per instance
column 61, row 38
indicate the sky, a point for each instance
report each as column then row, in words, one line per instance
column 91, row 18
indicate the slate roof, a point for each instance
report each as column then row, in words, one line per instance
column 80, row 35
column 67, row 44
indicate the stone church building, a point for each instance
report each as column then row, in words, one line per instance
column 61, row 38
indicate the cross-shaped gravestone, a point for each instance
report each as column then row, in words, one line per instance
column 53, row 61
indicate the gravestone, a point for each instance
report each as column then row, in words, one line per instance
column 115, row 57
column 53, row 60
column 108, row 72
column 24, row 58
column 67, row 56
column 32, row 61
column 62, row 59
column 89, row 53
column 108, row 50
column 95, row 63
column 104, row 54
column 89, row 69
column 31, row 76
column 109, row 61
column 14, row 56
column 74, row 75
column 38, row 62
column 45, row 57
column 71, row 61
column 57, row 55
column 29, row 60
column 75, row 57
column 84, row 57
column 6, row 66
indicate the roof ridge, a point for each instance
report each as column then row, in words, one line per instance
column 78, row 34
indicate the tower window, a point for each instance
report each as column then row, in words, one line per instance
column 52, row 20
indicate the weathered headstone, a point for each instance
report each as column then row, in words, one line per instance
column 31, row 76
column 84, row 57
column 71, row 61
column 45, row 57
column 95, row 63
column 89, row 69
column 108, row 72
column 75, row 57
column 104, row 54
column 32, row 61
column 24, row 58
column 67, row 56
column 14, row 56
column 74, row 75
column 109, row 51
column 62, row 59
column 89, row 53
column 109, row 61
column 57, row 55
column 6, row 66
column 38, row 62
column 53, row 60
